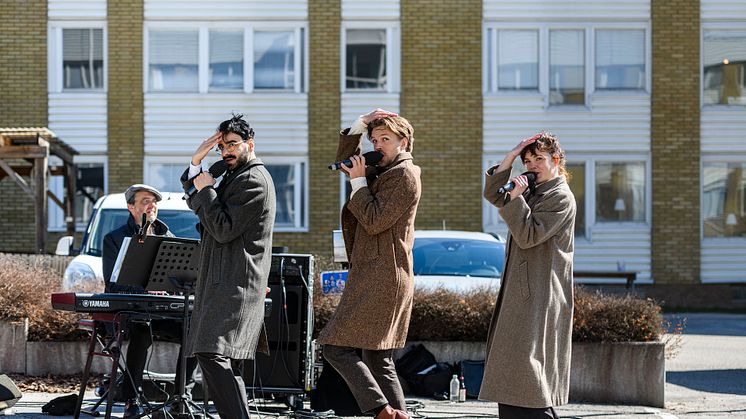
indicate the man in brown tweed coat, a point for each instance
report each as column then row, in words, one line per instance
column 378, row 228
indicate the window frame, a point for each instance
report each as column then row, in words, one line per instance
column 591, row 224
column 719, row 27
column 300, row 60
column 739, row 158
column 393, row 54
column 301, row 192
column 55, row 214
column 490, row 64
column 55, row 54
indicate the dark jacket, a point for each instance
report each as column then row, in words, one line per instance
column 378, row 228
column 236, row 222
column 112, row 244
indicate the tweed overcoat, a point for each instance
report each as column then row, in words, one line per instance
column 528, row 347
column 378, row 229
column 236, row 221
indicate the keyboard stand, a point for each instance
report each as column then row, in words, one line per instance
column 112, row 351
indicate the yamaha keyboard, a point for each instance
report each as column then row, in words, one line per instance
column 115, row 302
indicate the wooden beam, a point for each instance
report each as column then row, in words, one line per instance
column 26, row 170
column 71, row 174
column 56, row 200
column 24, row 152
column 40, row 192
column 16, row 178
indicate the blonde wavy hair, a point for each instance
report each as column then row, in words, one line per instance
column 398, row 125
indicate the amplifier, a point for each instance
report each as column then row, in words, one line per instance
column 295, row 269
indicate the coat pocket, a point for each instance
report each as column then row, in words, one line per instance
column 216, row 265
column 523, row 281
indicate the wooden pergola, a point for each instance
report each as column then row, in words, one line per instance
column 34, row 146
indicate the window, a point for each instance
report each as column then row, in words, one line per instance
column 226, row 60
column 724, row 199
column 366, row 59
column 274, row 55
column 577, row 186
column 225, row 57
column 555, row 59
column 620, row 59
column 518, row 60
column 289, row 178
column 82, row 58
column 724, row 72
column 620, row 191
column 566, row 67
column 173, row 58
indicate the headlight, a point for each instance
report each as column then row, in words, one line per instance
column 78, row 277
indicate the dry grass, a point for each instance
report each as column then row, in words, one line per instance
column 25, row 292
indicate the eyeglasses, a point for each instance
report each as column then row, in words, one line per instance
column 229, row 146
column 147, row 201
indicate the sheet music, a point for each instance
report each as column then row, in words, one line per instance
column 120, row 259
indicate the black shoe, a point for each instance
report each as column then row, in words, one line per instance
column 132, row 409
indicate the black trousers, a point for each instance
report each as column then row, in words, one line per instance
column 225, row 386
column 140, row 340
column 507, row 411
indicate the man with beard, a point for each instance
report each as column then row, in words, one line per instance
column 235, row 221
column 141, row 200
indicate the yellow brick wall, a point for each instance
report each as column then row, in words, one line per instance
column 125, row 97
column 675, row 141
column 441, row 79
column 23, row 86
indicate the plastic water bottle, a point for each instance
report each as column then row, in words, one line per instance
column 454, row 388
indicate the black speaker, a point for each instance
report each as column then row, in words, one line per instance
column 289, row 367
column 9, row 393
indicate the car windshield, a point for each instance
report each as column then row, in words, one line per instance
column 457, row 257
column 181, row 224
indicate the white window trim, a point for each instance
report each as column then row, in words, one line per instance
column 300, row 30
column 55, row 214
column 716, row 158
column 715, row 26
column 489, row 222
column 393, row 55
column 489, row 59
column 54, row 54
column 300, row 164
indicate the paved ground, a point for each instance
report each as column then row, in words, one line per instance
column 706, row 380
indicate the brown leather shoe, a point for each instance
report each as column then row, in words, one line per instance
column 389, row 412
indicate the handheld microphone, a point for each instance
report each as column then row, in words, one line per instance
column 531, row 176
column 216, row 170
column 144, row 224
column 371, row 159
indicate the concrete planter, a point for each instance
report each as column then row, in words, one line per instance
column 624, row 373
column 13, row 336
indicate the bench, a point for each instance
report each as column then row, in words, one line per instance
column 630, row 277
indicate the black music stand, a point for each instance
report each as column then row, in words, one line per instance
column 167, row 264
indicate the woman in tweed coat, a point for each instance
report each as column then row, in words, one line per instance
column 378, row 228
column 527, row 368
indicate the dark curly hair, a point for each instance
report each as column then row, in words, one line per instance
column 238, row 126
column 548, row 143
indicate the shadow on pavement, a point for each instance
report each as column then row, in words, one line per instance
column 713, row 381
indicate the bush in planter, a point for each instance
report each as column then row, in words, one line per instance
column 446, row 316
column 25, row 293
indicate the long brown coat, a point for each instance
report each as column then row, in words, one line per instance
column 528, row 348
column 378, row 229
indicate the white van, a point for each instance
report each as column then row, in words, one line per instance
column 85, row 272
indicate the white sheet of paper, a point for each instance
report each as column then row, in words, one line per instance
column 120, row 259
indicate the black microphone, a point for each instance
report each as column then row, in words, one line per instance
column 371, row 159
column 144, row 224
column 216, row 170
column 531, row 176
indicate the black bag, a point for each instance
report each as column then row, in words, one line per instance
column 61, row 406
column 416, row 359
column 332, row 393
column 473, row 371
column 432, row 381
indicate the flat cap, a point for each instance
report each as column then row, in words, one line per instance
column 129, row 194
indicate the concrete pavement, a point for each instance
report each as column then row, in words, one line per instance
column 706, row 380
